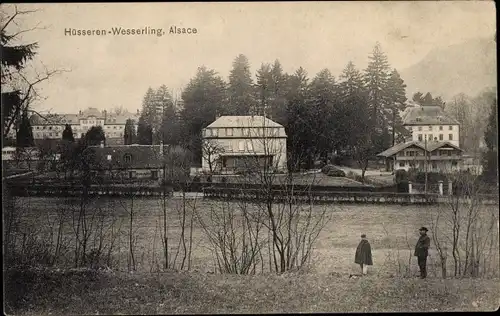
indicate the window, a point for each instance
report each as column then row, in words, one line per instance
column 440, row 128
column 412, row 164
column 430, row 128
column 127, row 158
column 50, row 127
column 441, row 136
column 420, row 137
column 57, row 134
column 420, row 128
column 450, row 136
column 131, row 174
column 450, row 128
column 402, row 164
column 114, row 127
column 454, row 163
column 241, row 145
column 449, row 152
column 109, row 157
column 411, row 153
column 430, row 137
column 249, row 145
column 434, row 165
column 50, row 134
column 229, row 131
column 154, row 174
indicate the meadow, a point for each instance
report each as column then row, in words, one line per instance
column 322, row 285
column 391, row 229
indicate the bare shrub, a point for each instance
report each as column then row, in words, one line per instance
column 468, row 229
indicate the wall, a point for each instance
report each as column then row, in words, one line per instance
column 249, row 146
column 435, row 131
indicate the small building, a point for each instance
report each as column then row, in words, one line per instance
column 135, row 161
column 440, row 156
column 8, row 153
column 238, row 143
column 125, row 161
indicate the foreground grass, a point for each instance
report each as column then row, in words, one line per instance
column 36, row 292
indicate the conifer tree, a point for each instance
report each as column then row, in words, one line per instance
column 240, row 87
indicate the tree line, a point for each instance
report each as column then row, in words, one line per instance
column 352, row 114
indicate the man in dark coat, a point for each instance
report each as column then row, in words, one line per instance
column 364, row 254
column 422, row 251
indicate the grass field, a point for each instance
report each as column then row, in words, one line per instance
column 323, row 286
column 50, row 292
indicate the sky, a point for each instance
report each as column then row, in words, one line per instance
column 112, row 71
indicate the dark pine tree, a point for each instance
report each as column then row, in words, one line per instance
column 490, row 160
column 14, row 58
column 240, row 87
column 144, row 133
column 25, row 133
column 67, row 134
column 95, row 136
column 129, row 136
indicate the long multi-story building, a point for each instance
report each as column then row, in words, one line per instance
column 53, row 126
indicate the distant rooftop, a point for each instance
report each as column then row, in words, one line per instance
column 427, row 115
column 72, row 119
column 243, row 121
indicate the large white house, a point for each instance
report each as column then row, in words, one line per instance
column 433, row 142
column 237, row 143
column 431, row 123
column 52, row 127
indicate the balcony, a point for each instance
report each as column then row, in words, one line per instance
column 430, row 158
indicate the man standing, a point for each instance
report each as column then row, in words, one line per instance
column 363, row 255
column 422, row 251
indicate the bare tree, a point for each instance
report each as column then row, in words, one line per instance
column 284, row 211
column 467, row 227
column 211, row 152
column 19, row 84
column 176, row 166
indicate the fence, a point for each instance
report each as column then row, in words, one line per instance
column 317, row 196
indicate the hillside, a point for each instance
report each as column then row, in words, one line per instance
column 468, row 68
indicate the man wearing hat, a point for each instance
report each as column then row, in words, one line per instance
column 364, row 255
column 422, row 251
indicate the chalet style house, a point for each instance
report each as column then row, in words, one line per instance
column 441, row 156
column 237, row 143
column 432, row 144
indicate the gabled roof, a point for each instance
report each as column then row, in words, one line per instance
column 427, row 115
column 433, row 145
column 243, row 121
column 430, row 146
column 397, row 148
